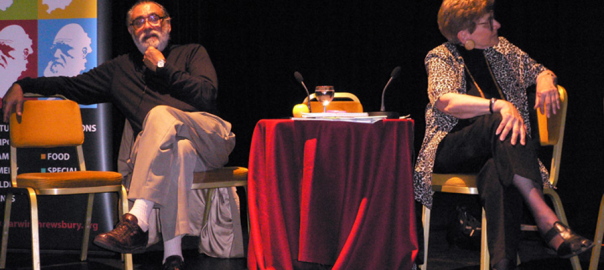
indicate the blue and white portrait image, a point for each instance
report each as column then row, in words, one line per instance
column 67, row 47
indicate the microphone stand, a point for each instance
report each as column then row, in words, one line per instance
column 301, row 81
column 383, row 112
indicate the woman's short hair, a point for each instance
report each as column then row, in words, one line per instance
column 458, row 15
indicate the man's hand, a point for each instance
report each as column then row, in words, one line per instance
column 511, row 122
column 152, row 56
column 12, row 100
column 548, row 98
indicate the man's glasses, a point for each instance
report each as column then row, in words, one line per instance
column 153, row 19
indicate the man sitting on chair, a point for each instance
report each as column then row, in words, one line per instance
column 168, row 94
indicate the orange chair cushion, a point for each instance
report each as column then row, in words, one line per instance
column 222, row 177
column 68, row 179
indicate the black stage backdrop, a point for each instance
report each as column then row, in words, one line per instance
column 256, row 47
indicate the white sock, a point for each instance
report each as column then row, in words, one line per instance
column 173, row 247
column 141, row 210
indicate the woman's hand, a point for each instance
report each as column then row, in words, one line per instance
column 548, row 98
column 466, row 106
column 511, row 122
column 12, row 99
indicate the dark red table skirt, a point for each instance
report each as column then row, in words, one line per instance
column 331, row 193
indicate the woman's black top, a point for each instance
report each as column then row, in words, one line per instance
column 476, row 62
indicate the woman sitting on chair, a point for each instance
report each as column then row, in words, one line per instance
column 477, row 121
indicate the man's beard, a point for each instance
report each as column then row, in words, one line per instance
column 160, row 43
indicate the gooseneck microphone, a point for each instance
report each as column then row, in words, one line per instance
column 391, row 115
column 395, row 72
column 301, row 81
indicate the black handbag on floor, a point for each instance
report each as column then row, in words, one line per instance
column 465, row 230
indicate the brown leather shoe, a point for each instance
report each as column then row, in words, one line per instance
column 127, row 237
column 174, row 262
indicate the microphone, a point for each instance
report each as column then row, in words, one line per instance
column 301, row 81
column 390, row 115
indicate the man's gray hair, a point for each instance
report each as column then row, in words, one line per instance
column 140, row 2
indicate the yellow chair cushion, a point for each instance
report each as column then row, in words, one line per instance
column 454, row 183
column 458, row 180
column 549, row 128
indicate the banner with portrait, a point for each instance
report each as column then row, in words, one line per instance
column 54, row 38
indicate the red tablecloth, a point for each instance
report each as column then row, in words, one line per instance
column 331, row 193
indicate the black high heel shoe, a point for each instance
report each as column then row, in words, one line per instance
column 573, row 244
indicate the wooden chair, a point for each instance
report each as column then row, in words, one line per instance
column 48, row 124
column 551, row 133
column 342, row 102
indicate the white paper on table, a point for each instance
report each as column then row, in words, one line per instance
column 334, row 114
column 340, row 117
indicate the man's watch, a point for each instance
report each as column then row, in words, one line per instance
column 161, row 63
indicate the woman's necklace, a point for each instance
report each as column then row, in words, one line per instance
column 492, row 76
column 474, row 81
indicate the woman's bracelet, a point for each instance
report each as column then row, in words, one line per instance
column 493, row 100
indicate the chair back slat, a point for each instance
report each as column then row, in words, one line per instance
column 47, row 123
column 551, row 130
column 342, row 101
column 337, row 96
column 347, row 106
column 551, row 133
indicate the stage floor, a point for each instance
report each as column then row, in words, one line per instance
column 533, row 253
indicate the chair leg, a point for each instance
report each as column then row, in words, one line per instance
column 484, row 250
column 562, row 216
column 248, row 211
column 86, row 237
column 123, row 208
column 484, row 245
column 595, row 253
column 5, row 225
column 206, row 213
column 426, row 221
column 35, row 237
